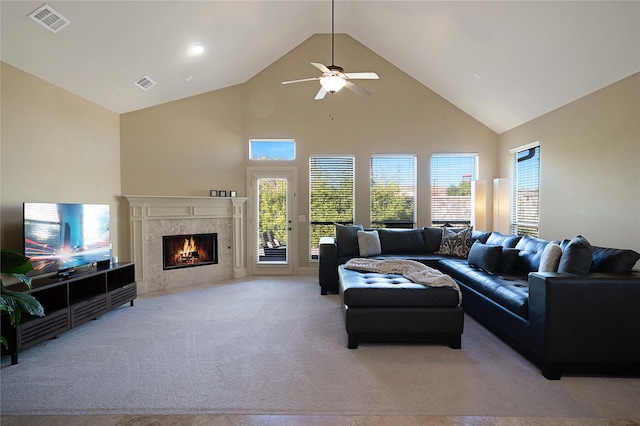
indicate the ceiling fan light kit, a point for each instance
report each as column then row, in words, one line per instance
column 333, row 77
column 332, row 83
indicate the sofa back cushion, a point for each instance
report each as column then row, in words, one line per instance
column 508, row 260
column 576, row 256
column 481, row 236
column 498, row 239
column 432, row 238
column 347, row 239
column 394, row 241
column 615, row 261
column 530, row 253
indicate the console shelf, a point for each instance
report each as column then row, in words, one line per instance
column 69, row 302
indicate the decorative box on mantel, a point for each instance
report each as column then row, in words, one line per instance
column 155, row 216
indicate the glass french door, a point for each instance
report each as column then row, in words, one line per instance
column 271, row 242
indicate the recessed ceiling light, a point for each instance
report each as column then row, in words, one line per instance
column 197, row 48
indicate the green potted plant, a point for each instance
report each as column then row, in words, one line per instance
column 15, row 303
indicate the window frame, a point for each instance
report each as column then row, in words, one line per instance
column 436, row 220
column 272, row 141
column 516, row 225
column 398, row 223
column 348, row 159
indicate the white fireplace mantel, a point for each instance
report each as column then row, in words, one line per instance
column 146, row 209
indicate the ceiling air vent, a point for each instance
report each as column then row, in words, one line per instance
column 145, row 83
column 46, row 16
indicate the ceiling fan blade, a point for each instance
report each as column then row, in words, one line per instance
column 320, row 94
column 321, row 67
column 362, row 75
column 301, row 80
column 357, row 89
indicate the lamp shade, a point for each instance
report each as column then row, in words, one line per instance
column 502, row 205
column 332, row 83
column 479, row 204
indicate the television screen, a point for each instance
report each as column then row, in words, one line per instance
column 61, row 236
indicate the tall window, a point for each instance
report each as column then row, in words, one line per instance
column 393, row 191
column 525, row 196
column 331, row 196
column 451, row 176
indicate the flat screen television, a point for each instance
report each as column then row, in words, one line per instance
column 60, row 237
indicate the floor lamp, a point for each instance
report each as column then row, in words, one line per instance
column 502, row 205
column 479, row 205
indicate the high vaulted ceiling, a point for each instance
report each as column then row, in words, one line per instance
column 502, row 62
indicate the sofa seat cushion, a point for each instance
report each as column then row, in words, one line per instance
column 511, row 292
column 374, row 289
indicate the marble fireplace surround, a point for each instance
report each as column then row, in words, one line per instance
column 153, row 216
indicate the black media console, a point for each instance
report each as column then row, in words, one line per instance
column 69, row 302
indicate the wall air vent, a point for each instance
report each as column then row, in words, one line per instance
column 145, row 83
column 46, row 16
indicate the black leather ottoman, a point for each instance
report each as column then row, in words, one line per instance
column 390, row 308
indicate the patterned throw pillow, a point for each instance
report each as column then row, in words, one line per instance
column 455, row 243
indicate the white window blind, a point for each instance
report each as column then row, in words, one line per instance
column 331, row 196
column 525, row 197
column 393, row 191
column 451, row 176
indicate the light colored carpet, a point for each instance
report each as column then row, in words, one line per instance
column 276, row 346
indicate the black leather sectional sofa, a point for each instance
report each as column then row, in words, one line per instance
column 584, row 318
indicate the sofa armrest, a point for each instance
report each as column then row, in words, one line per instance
column 586, row 319
column 328, row 265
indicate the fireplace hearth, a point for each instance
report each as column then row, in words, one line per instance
column 188, row 250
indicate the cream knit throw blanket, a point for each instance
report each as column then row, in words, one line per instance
column 410, row 269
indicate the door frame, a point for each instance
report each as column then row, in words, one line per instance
column 290, row 267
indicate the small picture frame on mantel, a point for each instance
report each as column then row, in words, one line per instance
column 233, row 194
column 222, row 193
column 213, row 193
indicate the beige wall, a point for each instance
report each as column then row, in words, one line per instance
column 589, row 166
column 200, row 143
column 590, row 158
column 56, row 147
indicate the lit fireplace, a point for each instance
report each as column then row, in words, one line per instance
column 182, row 251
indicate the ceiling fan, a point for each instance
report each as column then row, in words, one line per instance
column 333, row 77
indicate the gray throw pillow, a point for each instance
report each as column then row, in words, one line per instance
column 369, row 243
column 550, row 258
column 347, row 239
column 576, row 256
